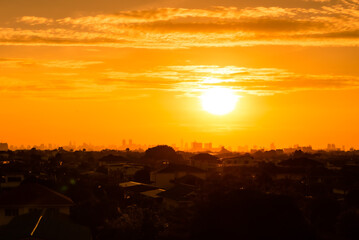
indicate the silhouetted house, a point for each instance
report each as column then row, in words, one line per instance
column 164, row 178
column 4, row 147
column 138, row 190
column 4, row 157
column 11, row 180
column 205, row 161
column 44, row 226
column 29, row 198
column 300, row 168
column 180, row 195
column 111, row 160
column 239, row 161
column 118, row 165
column 153, row 193
column 126, row 170
column 279, row 173
column 190, row 180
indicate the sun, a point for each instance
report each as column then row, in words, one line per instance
column 219, row 100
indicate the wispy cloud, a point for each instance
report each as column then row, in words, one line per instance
column 259, row 81
column 181, row 80
column 68, row 64
column 329, row 24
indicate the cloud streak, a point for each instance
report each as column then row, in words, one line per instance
column 330, row 24
column 192, row 79
column 50, row 81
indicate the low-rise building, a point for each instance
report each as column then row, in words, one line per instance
column 165, row 178
column 4, row 147
column 205, row 161
column 11, row 180
column 29, row 198
column 45, row 226
column 180, row 195
column 243, row 160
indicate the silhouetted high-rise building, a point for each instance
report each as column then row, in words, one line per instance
column 331, row 147
column 4, row 147
column 208, row 146
column 196, row 147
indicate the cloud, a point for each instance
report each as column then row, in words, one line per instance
column 192, row 79
column 32, row 20
column 332, row 23
column 181, row 80
column 70, row 64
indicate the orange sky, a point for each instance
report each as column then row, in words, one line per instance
column 95, row 72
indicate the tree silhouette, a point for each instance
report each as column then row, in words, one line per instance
column 162, row 153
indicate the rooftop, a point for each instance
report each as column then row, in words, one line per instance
column 179, row 192
column 137, row 187
column 44, row 226
column 32, row 194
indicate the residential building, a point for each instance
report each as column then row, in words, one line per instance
column 165, row 177
column 29, row 198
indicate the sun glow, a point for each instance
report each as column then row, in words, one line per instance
column 219, row 100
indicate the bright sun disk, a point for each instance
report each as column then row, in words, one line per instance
column 219, row 100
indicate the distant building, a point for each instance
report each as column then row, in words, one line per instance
column 306, row 149
column 208, row 146
column 205, row 161
column 111, row 160
column 44, row 225
column 140, row 190
column 196, row 147
column 29, row 198
column 244, row 160
column 331, row 147
column 126, row 170
column 4, row 147
column 118, row 165
column 178, row 196
column 11, row 180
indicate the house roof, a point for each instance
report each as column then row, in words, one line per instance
column 190, row 179
column 153, row 193
column 129, row 184
column 44, row 226
column 179, row 192
column 172, row 168
column 137, row 187
column 241, row 157
column 32, row 194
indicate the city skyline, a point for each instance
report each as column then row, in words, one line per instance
column 191, row 146
column 228, row 72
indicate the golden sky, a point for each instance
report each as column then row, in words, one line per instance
column 101, row 71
